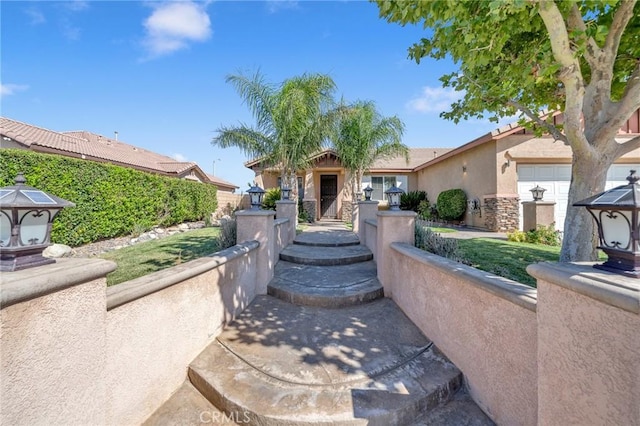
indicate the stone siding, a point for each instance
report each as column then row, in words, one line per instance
column 347, row 210
column 502, row 214
column 309, row 206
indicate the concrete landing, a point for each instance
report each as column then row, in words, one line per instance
column 331, row 237
column 287, row 365
column 333, row 287
column 325, row 256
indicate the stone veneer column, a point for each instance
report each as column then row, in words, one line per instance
column 288, row 209
column 258, row 225
column 536, row 213
column 502, row 212
column 393, row 227
column 588, row 346
column 363, row 210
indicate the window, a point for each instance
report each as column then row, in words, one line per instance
column 300, row 186
column 380, row 184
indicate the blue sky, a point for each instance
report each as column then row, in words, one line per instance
column 155, row 71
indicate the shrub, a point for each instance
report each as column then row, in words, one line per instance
column 545, row 235
column 425, row 210
column 452, row 204
column 228, row 232
column 411, row 200
column 110, row 200
column 428, row 240
column 270, row 197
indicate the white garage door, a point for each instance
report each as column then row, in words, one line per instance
column 555, row 178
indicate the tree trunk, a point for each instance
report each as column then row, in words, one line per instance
column 588, row 177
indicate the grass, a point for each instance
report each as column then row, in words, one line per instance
column 505, row 258
column 441, row 230
column 145, row 258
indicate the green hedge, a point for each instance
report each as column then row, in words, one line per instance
column 452, row 204
column 111, row 201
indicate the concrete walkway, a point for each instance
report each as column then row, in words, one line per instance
column 324, row 347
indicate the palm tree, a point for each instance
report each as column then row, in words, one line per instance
column 363, row 136
column 293, row 120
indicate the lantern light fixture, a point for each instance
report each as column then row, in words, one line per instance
column 367, row 193
column 393, row 195
column 26, row 216
column 255, row 194
column 617, row 216
column 537, row 192
column 285, row 193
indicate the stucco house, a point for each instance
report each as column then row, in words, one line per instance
column 496, row 170
column 92, row 147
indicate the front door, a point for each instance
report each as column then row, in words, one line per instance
column 329, row 196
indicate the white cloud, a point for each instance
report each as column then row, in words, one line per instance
column 276, row 5
column 434, row 99
column 36, row 15
column 178, row 157
column 76, row 5
column 12, row 89
column 172, row 26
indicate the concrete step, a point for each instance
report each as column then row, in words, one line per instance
column 188, row 407
column 282, row 364
column 320, row 237
column 325, row 256
column 328, row 287
column 459, row 411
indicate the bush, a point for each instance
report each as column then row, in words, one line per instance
column 428, row 240
column 545, row 235
column 411, row 200
column 228, row 232
column 425, row 210
column 452, row 204
column 270, row 197
column 110, row 200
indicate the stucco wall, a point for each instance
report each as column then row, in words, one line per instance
column 477, row 181
column 485, row 325
column 371, row 236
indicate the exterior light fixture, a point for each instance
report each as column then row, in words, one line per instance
column 617, row 215
column 285, row 193
column 393, row 195
column 26, row 215
column 367, row 193
column 464, row 169
column 256, row 193
column 537, row 192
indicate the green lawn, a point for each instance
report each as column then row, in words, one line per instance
column 144, row 258
column 505, row 258
column 441, row 230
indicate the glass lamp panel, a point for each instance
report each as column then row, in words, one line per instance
column 33, row 226
column 616, row 228
column 5, row 227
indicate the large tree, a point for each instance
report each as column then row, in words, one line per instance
column 293, row 120
column 578, row 57
column 363, row 136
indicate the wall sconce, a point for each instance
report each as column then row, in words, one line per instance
column 256, row 193
column 617, row 215
column 367, row 193
column 464, row 169
column 507, row 163
column 26, row 215
column 393, row 195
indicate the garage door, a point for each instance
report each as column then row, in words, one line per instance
column 556, row 178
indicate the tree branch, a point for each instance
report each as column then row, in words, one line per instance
column 628, row 104
column 628, row 146
column 553, row 130
column 620, row 20
column 575, row 20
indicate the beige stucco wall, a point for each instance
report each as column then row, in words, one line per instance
column 478, row 180
column 52, row 356
column 588, row 355
column 371, row 236
column 469, row 317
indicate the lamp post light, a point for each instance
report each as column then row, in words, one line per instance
column 255, row 193
column 537, row 192
column 285, row 193
column 367, row 193
column 617, row 215
column 393, row 195
column 26, row 215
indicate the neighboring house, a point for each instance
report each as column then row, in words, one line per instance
column 496, row 170
column 92, row 147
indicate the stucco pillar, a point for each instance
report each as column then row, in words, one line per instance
column 363, row 210
column 258, row 225
column 536, row 213
column 393, row 227
column 588, row 346
column 288, row 209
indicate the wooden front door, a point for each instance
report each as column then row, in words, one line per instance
column 329, row 196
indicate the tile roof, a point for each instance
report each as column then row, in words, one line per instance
column 83, row 143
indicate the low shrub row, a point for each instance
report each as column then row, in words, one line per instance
column 111, row 201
